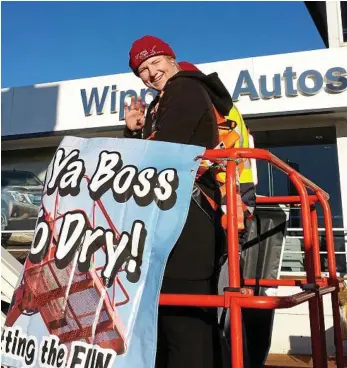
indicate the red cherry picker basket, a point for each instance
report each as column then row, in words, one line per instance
column 313, row 287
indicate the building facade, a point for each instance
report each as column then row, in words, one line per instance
column 295, row 105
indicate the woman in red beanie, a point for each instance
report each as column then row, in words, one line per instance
column 182, row 112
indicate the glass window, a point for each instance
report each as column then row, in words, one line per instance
column 344, row 19
column 316, row 158
column 318, row 163
column 22, row 174
column 313, row 153
column 22, row 178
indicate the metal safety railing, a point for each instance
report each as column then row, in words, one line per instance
column 313, row 287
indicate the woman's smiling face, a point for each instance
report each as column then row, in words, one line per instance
column 156, row 71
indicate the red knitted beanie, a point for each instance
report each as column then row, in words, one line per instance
column 146, row 47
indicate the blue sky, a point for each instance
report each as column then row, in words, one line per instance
column 52, row 41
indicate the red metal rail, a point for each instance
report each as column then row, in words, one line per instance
column 315, row 285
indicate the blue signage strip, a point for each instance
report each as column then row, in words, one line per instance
column 334, row 81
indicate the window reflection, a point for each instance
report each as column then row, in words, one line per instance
column 344, row 19
column 293, row 258
column 318, row 163
column 316, row 158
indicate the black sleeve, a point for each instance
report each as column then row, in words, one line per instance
column 127, row 133
column 146, row 131
column 185, row 114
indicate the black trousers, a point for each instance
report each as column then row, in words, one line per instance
column 189, row 337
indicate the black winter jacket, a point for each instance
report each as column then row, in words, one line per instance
column 185, row 115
